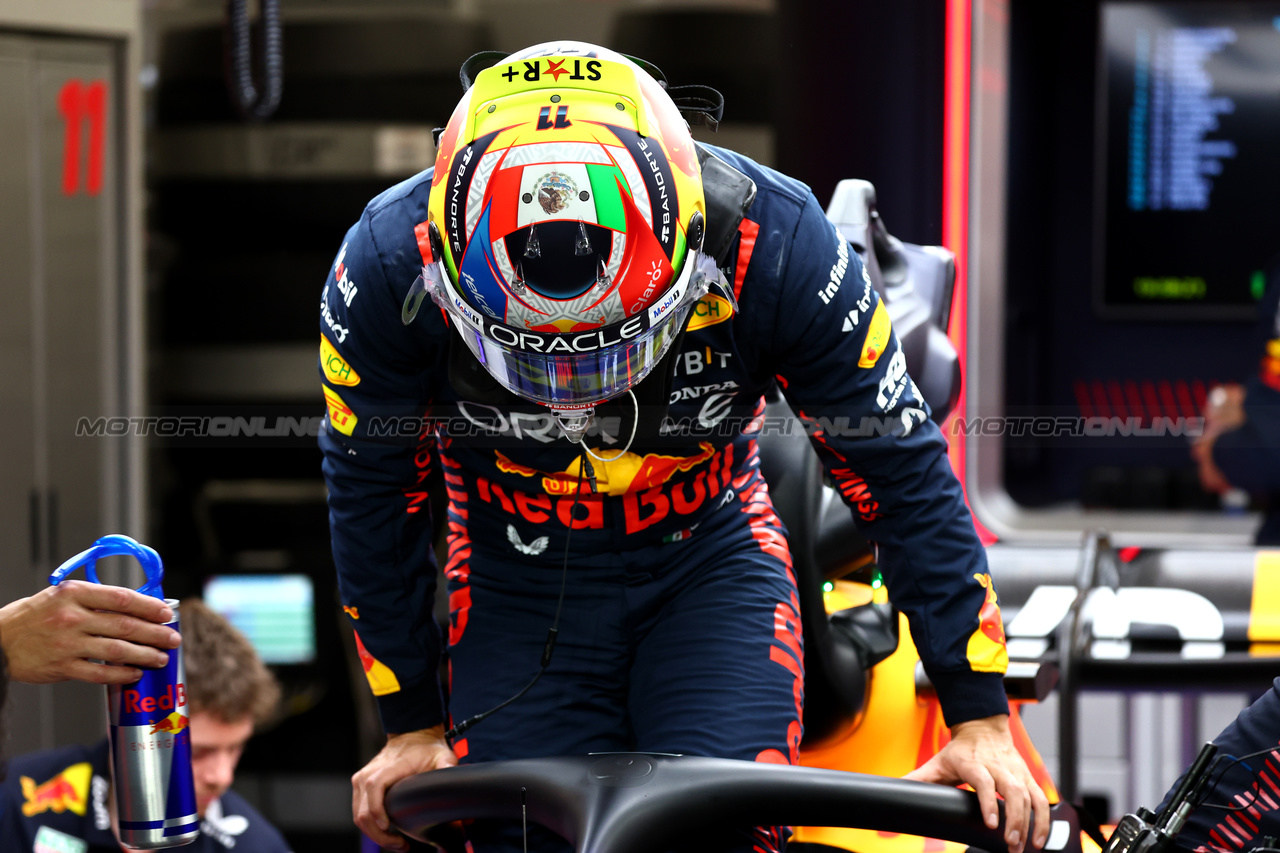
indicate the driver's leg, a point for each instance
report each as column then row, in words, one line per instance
column 502, row 604
column 719, row 666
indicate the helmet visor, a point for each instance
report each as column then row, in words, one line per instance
column 574, row 369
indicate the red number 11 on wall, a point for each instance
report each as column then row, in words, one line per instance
column 77, row 102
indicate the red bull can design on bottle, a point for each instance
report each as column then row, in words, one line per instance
column 151, row 756
column 147, row 727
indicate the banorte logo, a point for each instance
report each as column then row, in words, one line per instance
column 986, row 650
column 671, row 125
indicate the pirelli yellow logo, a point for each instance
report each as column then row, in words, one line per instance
column 879, row 331
column 336, row 368
column 709, row 310
column 340, row 415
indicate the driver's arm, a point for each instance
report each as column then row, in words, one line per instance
column 888, row 461
column 842, row 369
column 375, row 369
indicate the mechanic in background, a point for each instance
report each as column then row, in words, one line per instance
column 1240, row 446
column 59, row 799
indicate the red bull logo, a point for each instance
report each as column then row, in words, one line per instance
column 68, row 791
column 629, row 472
column 553, row 482
column 172, row 724
column 647, row 484
column 173, row 697
column 986, row 649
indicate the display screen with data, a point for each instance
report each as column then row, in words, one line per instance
column 275, row 612
column 1189, row 133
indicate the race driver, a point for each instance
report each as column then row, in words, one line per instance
column 588, row 376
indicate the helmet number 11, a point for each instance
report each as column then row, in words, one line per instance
column 562, row 117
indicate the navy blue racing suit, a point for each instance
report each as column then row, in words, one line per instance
column 1243, row 807
column 680, row 628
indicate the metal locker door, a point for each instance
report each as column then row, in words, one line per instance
column 70, row 223
column 76, row 93
column 21, row 526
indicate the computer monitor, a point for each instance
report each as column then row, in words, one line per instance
column 1188, row 133
column 275, row 611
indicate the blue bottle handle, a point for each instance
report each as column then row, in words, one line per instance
column 111, row 545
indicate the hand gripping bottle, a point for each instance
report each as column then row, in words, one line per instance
column 147, row 720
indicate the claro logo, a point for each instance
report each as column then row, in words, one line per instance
column 655, row 275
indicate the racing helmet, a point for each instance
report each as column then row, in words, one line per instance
column 565, row 224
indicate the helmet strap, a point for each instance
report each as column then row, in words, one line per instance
column 700, row 105
column 729, row 194
column 574, row 423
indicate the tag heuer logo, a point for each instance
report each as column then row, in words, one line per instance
column 49, row 840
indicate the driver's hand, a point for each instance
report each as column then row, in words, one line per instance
column 404, row 755
column 981, row 754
